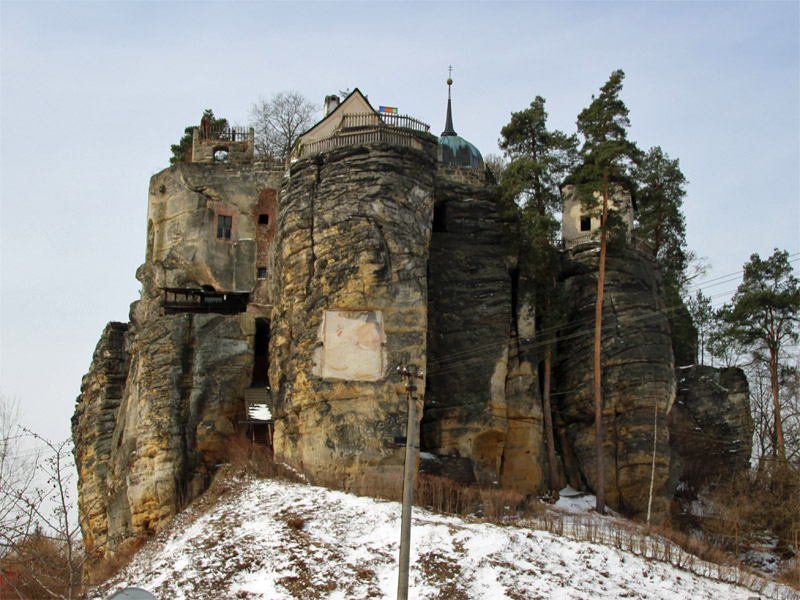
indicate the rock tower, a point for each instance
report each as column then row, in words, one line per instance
column 297, row 289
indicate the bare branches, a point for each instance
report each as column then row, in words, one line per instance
column 279, row 121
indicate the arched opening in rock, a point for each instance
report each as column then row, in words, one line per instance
column 221, row 154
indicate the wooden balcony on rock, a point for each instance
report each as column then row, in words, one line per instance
column 197, row 300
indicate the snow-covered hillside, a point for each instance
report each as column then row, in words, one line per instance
column 271, row 540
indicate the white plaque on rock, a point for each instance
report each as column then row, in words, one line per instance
column 352, row 342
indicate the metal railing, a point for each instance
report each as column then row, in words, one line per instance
column 376, row 134
column 228, row 134
column 593, row 237
column 361, row 120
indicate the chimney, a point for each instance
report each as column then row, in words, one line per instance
column 331, row 102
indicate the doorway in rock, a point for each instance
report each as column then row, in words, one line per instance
column 261, row 358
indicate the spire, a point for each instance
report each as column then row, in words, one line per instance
column 448, row 125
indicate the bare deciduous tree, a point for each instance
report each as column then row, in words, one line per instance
column 279, row 121
column 41, row 551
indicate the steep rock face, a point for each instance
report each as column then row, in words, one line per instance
column 710, row 427
column 348, row 282
column 164, row 393
column 93, row 426
column 481, row 395
column 638, row 377
column 160, row 439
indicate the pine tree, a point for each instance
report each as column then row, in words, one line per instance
column 182, row 151
column 659, row 216
column 538, row 161
column 703, row 316
column 764, row 315
column 607, row 160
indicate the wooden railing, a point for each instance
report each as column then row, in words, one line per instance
column 192, row 300
column 363, row 128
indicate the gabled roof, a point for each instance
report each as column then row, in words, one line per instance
column 354, row 100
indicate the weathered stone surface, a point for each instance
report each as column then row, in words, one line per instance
column 161, row 439
column 352, row 235
column 710, row 427
column 367, row 257
column 93, row 426
column 183, row 250
column 638, row 377
column 481, row 398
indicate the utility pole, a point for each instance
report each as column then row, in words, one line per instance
column 410, row 373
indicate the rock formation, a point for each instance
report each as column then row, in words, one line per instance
column 710, row 427
column 164, row 392
column 350, row 305
column 481, row 397
column 305, row 288
column 638, row 377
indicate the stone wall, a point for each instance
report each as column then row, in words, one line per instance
column 183, row 249
column 239, row 151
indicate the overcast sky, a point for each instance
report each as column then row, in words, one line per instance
column 92, row 94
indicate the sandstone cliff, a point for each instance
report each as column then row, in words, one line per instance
column 351, row 245
column 638, row 377
column 358, row 259
column 710, row 427
column 481, row 397
column 165, row 392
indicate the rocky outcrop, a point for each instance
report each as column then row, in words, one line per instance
column 165, row 392
column 638, row 377
column 348, row 282
column 93, row 426
column 359, row 259
column 481, row 396
column 149, row 437
column 710, row 427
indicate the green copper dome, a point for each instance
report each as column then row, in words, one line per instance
column 453, row 149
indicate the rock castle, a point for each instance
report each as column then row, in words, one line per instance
column 277, row 302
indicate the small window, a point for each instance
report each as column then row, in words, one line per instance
column 221, row 155
column 586, row 224
column 262, row 272
column 263, row 219
column 224, row 224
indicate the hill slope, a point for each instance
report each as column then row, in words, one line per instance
column 265, row 539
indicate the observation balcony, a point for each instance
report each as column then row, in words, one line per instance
column 355, row 129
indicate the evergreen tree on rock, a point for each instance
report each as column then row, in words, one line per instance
column 538, row 161
column 607, row 161
column 764, row 315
